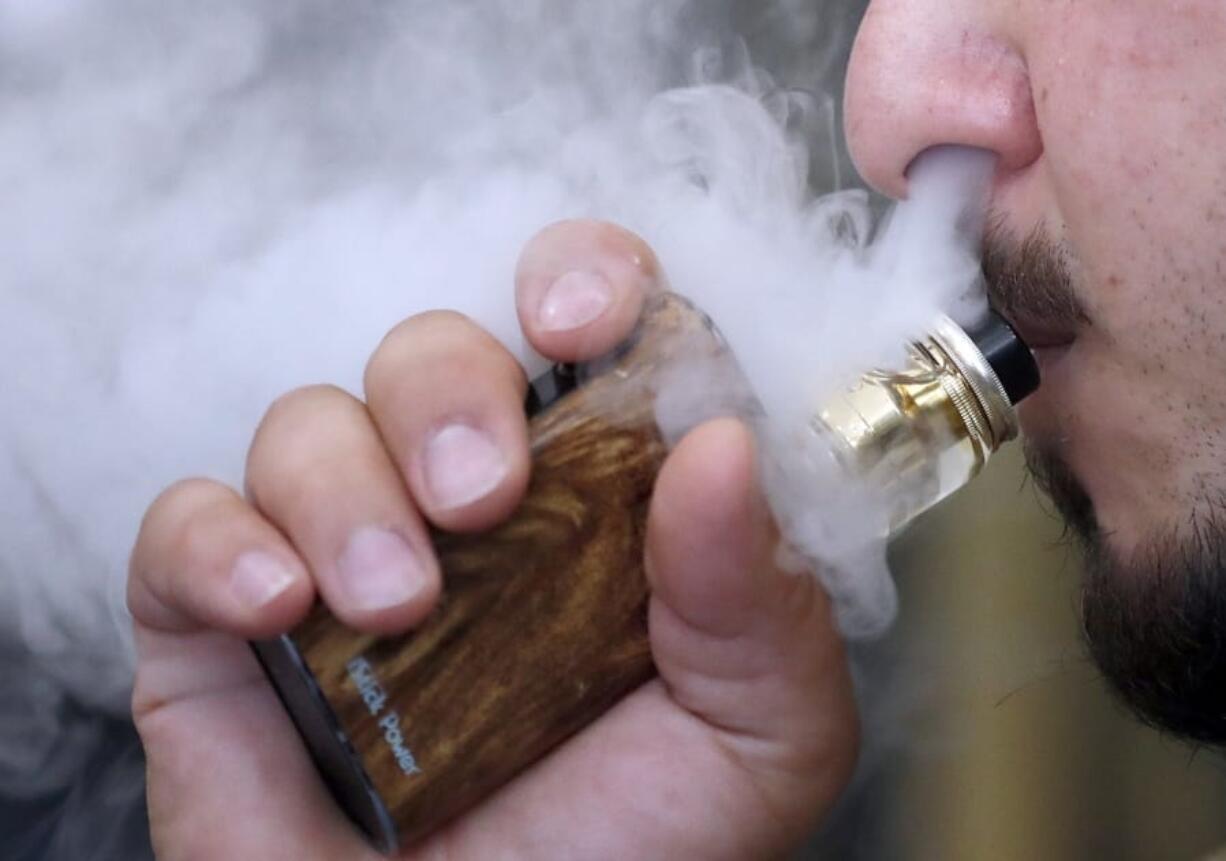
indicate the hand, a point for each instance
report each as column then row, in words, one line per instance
column 736, row 750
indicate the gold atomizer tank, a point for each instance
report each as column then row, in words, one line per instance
column 543, row 625
column 915, row 434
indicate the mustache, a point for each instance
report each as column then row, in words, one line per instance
column 1030, row 280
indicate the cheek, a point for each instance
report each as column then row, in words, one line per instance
column 1131, row 104
column 1119, row 446
column 1143, row 433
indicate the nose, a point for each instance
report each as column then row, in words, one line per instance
column 930, row 72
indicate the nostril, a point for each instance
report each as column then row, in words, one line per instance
column 911, row 90
column 971, row 167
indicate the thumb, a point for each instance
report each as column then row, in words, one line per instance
column 748, row 648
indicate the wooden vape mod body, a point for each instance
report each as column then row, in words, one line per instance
column 543, row 623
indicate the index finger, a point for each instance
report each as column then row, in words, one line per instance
column 579, row 288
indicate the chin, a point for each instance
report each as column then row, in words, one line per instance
column 1155, row 625
column 1153, row 613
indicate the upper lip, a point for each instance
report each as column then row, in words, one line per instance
column 1030, row 285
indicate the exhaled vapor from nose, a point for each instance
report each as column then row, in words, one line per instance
column 1030, row 283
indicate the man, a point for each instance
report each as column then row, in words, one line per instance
column 1109, row 122
column 1107, row 119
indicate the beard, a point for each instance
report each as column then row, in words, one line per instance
column 1154, row 623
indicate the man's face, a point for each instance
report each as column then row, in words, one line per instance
column 1109, row 251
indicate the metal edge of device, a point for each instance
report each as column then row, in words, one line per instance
column 981, row 379
column 327, row 742
column 967, row 405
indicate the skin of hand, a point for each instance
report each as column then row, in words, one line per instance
column 735, row 751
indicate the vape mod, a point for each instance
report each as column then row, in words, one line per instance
column 543, row 623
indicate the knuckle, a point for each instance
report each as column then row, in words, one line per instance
column 156, row 529
column 584, row 230
column 177, row 534
column 451, row 345
column 174, row 506
column 429, row 331
column 586, row 236
column 287, row 437
column 184, row 494
column 440, row 318
column 195, row 536
column 295, row 492
column 290, row 409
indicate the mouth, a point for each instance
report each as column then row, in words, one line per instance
column 1049, row 339
column 1030, row 285
column 1041, row 334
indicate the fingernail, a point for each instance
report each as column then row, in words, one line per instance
column 575, row 299
column 257, row 578
column 378, row 569
column 462, row 464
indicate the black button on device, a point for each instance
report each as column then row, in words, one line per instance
column 1008, row 355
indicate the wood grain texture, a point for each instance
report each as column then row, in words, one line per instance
column 543, row 625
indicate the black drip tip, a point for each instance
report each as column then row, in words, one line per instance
column 1008, row 355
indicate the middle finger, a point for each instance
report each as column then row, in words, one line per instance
column 448, row 400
